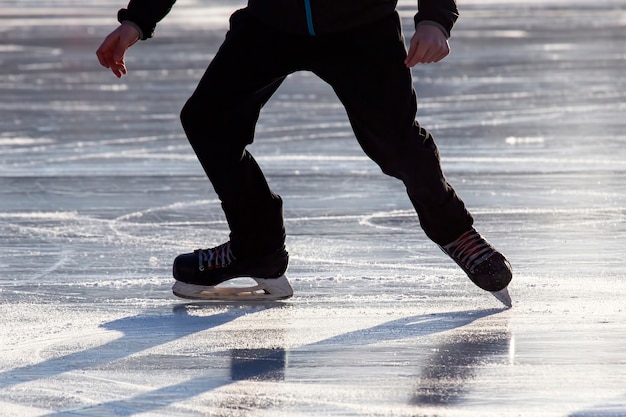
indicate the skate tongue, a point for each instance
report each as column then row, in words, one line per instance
column 503, row 296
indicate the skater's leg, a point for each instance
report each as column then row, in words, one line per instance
column 381, row 106
column 376, row 88
column 219, row 120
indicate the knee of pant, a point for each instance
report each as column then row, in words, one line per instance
column 390, row 167
column 203, row 123
column 191, row 115
column 204, row 120
column 411, row 164
column 387, row 157
column 212, row 132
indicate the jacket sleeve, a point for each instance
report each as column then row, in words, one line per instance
column 145, row 14
column 442, row 12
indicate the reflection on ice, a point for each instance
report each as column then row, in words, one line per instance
column 448, row 374
column 143, row 332
column 258, row 364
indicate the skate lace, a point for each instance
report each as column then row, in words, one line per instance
column 218, row 257
column 470, row 249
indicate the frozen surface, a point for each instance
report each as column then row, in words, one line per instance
column 99, row 190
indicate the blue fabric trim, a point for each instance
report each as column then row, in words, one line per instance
column 309, row 17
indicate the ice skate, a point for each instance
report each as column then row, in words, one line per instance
column 203, row 275
column 484, row 265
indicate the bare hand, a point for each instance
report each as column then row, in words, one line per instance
column 428, row 44
column 111, row 52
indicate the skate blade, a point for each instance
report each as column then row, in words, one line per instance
column 265, row 290
column 503, row 296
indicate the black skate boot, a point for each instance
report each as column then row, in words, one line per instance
column 484, row 265
column 199, row 274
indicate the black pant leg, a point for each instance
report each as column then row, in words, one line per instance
column 365, row 68
column 219, row 120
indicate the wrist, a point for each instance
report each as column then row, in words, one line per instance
column 135, row 26
column 433, row 23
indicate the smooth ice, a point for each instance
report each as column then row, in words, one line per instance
column 99, row 190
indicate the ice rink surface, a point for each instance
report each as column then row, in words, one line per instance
column 99, row 191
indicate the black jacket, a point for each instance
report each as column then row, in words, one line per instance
column 306, row 17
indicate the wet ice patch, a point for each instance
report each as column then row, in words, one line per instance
column 11, row 48
column 24, row 141
column 524, row 140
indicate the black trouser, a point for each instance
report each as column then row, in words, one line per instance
column 366, row 70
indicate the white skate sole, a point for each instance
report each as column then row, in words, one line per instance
column 266, row 290
column 503, row 296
